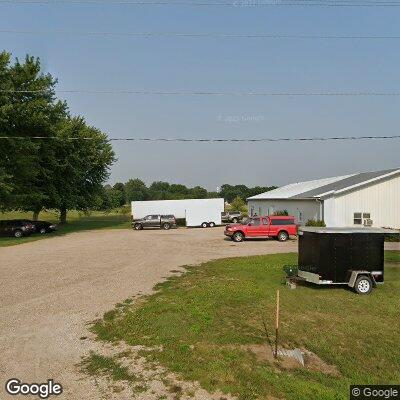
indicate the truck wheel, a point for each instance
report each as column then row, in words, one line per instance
column 204, row 225
column 363, row 285
column 238, row 237
column 166, row 226
column 211, row 224
column 137, row 227
column 283, row 236
column 42, row 231
column 18, row 234
column 234, row 220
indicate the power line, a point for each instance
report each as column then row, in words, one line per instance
column 207, row 93
column 248, row 140
column 199, row 35
column 238, row 3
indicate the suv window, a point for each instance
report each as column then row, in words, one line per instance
column 255, row 222
column 153, row 217
column 282, row 221
column 265, row 221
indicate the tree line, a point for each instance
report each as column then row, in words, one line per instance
column 136, row 190
column 53, row 173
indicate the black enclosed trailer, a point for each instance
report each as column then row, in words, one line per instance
column 342, row 256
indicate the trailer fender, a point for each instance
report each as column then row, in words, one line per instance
column 355, row 274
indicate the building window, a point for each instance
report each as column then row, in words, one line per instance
column 357, row 219
column 360, row 218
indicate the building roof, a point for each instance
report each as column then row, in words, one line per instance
column 321, row 188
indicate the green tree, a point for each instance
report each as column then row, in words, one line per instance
column 82, row 165
column 159, row 190
column 24, row 164
column 238, row 204
column 110, row 198
column 198, row 192
column 136, row 190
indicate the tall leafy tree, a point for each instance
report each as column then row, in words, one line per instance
column 80, row 166
column 136, row 190
column 24, row 163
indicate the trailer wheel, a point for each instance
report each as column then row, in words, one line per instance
column 238, row 237
column 138, row 227
column 204, row 225
column 211, row 224
column 166, row 226
column 283, row 236
column 363, row 285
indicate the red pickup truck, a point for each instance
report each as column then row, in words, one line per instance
column 279, row 227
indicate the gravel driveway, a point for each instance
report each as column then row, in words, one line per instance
column 51, row 289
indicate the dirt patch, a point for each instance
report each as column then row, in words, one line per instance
column 312, row 362
column 152, row 382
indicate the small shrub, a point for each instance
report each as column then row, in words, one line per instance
column 281, row 212
column 315, row 222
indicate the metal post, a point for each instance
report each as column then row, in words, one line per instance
column 277, row 324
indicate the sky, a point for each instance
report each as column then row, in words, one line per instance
column 223, row 64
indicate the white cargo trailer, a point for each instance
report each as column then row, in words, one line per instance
column 197, row 212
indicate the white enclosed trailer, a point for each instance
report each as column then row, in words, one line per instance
column 197, row 212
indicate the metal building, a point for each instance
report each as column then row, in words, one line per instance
column 362, row 199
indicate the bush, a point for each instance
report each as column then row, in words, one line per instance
column 238, row 205
column 315, row 222
column 281, row 212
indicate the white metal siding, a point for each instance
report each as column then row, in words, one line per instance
column 382, row 200
column 302, row 210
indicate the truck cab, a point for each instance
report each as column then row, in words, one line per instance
column 279, row 227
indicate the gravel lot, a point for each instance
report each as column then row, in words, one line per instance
column 51, row 289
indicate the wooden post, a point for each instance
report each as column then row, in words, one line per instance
column 277, row 323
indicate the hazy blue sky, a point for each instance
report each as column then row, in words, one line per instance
column 227, row 64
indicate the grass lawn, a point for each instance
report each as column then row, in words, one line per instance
column 392, row 256
column 204, row 319
column 77, row 221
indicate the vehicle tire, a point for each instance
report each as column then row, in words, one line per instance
column 238, row 237
column 166, row 226
column 137, row 227
column 18, row 234
column 234, row 220
column 204, row 225
column 211, row 224
column 363, row 285
column 42, row 231
column 283, row 236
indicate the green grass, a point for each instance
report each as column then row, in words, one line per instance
column 392, row 256
column 97, row 364
column 77, row 221
column 202, row 318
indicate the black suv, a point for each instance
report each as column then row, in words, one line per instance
column 16, row 228
column 42, row 226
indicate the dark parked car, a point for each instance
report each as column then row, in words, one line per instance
column 231, row 217
column 16, row 227
column 43, row 226
column 154, row 221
